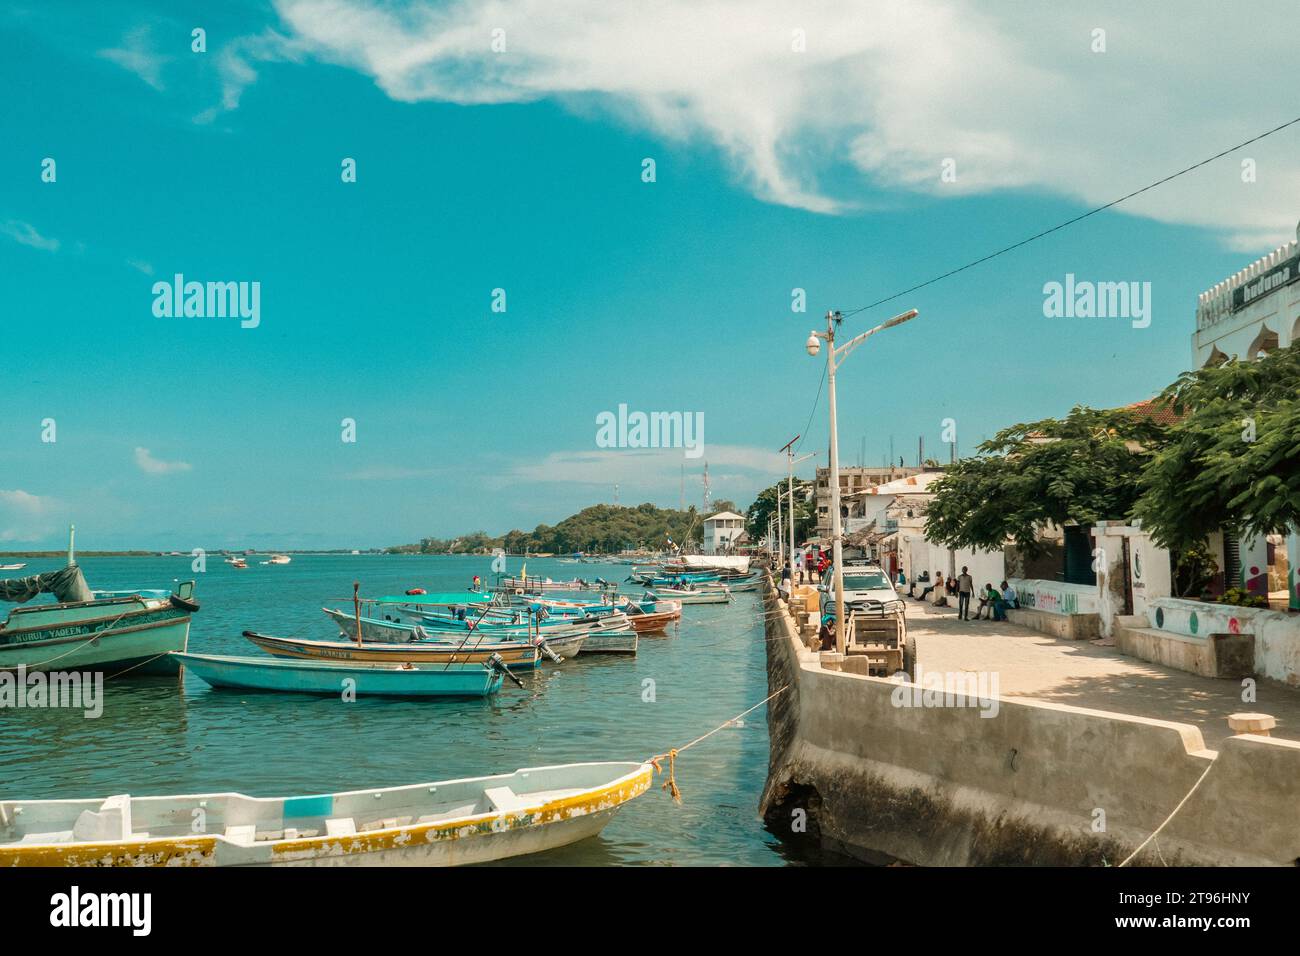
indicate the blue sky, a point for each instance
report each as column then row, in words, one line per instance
column 521, row 170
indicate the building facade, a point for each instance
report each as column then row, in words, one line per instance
column 853, row 481
column 1242, row 317
column 1255, row 310
column 722, row 532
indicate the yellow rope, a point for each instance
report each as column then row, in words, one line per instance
column 1171, row 816
column 671, row 783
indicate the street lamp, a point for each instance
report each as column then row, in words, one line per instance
column 835, row 357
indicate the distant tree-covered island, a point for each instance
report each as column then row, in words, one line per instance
column 602, row 529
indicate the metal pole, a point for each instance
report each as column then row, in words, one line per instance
column 789, row 454
column 836, row 550
column 780, row 526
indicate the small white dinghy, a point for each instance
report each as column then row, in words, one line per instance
column 455, row 822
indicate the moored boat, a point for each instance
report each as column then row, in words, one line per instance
column 691, row 595
column 517, row 655
column 610, row 642
column 337, row 677
column 565, row 642
column 106, row 631
column 445, row 823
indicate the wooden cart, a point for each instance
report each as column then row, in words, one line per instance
column 879, row 633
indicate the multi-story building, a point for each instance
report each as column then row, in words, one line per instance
column 853, row 480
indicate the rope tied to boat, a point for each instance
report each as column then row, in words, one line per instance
column 671, row 755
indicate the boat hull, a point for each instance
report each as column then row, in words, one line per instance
column 336, row 679
column 582, row 799
column 107, row 639
column 516, row 656
column 610, row 642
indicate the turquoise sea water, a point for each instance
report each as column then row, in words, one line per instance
column 157, row 737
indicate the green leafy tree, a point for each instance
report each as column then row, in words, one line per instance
column 1233, row 459
column 1083, row 468
column 764, row 507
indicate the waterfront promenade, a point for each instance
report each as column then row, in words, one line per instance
column 1034, row 665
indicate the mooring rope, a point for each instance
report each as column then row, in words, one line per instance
column 671, row 783
column 1171, row 816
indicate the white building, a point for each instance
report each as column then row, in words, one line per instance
column 1255, row 310
column 722, row 532
column 1243, row 316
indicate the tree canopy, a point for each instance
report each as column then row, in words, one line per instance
column 1080, row 469
column 600, row 528
column 1233, row 459
column 764, row 507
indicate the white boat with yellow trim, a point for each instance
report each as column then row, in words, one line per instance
column 450, row 823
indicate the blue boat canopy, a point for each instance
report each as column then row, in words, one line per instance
column 445, row 598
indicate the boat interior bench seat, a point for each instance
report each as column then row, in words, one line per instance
column 244, row 834
column 504, row 800
column 340, row 826
column 59, row 836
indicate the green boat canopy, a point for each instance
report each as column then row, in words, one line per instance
column 446, row 597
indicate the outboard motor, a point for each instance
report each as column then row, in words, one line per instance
column 497, row 664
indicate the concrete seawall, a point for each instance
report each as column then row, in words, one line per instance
column 1039, row 783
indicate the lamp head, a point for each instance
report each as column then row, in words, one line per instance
column 814, row 344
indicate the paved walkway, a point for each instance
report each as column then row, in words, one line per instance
column 1030, row 664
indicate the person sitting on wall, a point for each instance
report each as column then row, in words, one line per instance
column 827, row 633
column 999, row 605
column 951, row 584
column 1009, row 595
column 902, row 578
column 986, row 601
column 936, row 581
column 921, row 578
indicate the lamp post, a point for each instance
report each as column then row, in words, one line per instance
column 835, row 357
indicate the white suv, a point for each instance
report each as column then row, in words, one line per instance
column 867, row 589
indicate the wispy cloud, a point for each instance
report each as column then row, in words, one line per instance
column 25, row 516
column 26, row 234
column 392, row 473
column 136, row 55
column 1014, row 94
column 141, row 265
column 147, row 463
column 237, row 64
column 659, row 467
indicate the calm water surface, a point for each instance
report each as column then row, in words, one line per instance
column 156, row 737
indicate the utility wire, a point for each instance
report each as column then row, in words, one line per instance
column 1076, row 219
column 812, row 411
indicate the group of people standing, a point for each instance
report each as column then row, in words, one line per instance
column 805, row 564
column 994, row 601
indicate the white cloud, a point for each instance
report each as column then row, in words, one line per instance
column 648, row 468
column 137, row 56
column 26, row 234
column 25, row 516
column 1011, row 92
column 156, row 466
column 141, row 265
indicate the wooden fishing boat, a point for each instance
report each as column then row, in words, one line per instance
column 13, row 567
column 610, row 642
column 564, row 642
column 691, row 595
column 545, row 585
column 332, row 677
column 446, row 823
column 107, row 631
column 392, row 631
column 517, row 655
column 652, row 616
